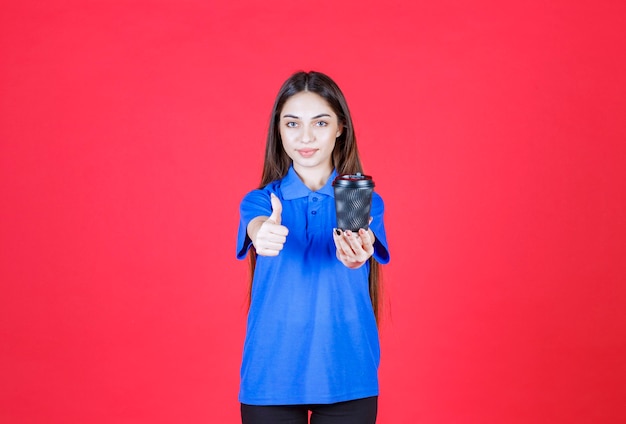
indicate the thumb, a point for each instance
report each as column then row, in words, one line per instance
column 277, row 209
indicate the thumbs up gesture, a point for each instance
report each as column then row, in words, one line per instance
column 267, row 234
column 277, row 210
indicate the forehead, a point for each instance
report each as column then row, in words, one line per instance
column 306, row 104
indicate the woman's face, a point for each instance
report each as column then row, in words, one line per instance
column 308, row 129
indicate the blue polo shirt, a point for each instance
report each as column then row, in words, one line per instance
column 311, row 333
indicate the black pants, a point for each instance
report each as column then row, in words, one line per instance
column 359, row 411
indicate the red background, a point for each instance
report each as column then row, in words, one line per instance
column 130, row 130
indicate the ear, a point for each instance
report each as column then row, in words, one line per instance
column 339, row 131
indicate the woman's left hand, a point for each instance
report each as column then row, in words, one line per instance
column 354, row 249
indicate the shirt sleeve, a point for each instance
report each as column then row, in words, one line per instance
column 381, row 250
column 256, row 203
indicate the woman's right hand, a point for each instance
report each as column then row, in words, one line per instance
column 267, row 234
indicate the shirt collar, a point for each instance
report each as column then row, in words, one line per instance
column 292, row 186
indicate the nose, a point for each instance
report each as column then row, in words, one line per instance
column 307, row 134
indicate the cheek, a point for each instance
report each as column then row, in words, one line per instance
column 331, row 143
column 282, row 138
column 284, row 141
column 286, row 144
column 285, row 136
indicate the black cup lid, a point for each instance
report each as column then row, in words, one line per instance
column 357, row 180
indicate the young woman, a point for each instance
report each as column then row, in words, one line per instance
column 312, row 340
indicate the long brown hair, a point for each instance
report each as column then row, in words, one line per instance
column 345, row 155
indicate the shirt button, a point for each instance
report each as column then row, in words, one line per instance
column 313, row 212
column 315, row 199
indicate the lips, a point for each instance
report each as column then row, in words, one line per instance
column 307, row 153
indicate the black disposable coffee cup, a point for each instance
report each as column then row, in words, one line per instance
column 353, row 201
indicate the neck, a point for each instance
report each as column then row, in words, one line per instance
column 314, row 178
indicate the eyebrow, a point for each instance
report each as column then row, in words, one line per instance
column 321, row 115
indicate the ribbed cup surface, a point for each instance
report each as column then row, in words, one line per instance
column 353, row 207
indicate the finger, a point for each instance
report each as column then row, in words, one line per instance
column 277, row 209
column 272, row 230
column 361, row 245
column 354, row 240
column 265, row 251
column 273, row 246
column 365, row 236
column 270, row 244
column 337, row 238
column 269, row 229
column 276, row 238
column 344, row 244
column 279, row 230
column 368, row 243
column 341, row 247
column 271, row 235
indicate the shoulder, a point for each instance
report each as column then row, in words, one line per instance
column 260, row 197
column 377, row 201
column 273, row 187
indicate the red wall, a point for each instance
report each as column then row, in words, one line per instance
column 130, row 130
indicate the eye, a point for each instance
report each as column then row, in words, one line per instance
column 291, row 124
column 321, row 123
